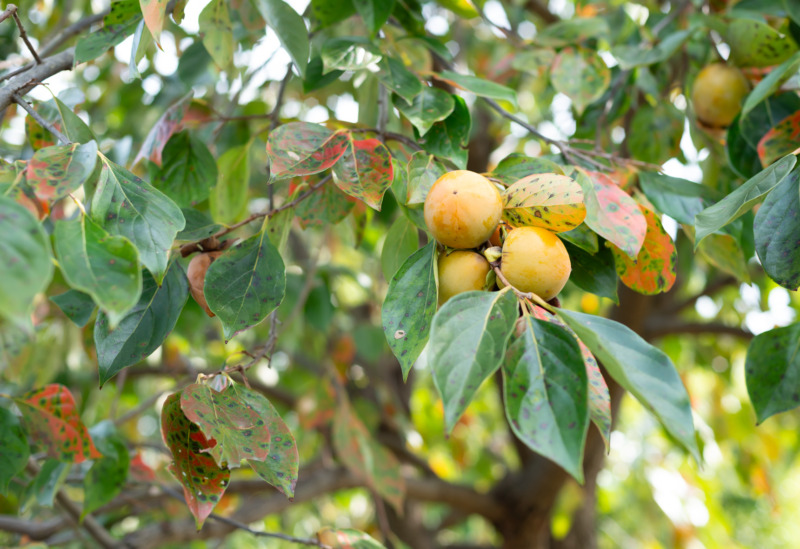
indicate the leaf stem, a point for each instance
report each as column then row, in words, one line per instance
column 522, row 295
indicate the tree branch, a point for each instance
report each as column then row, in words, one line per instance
column 36, row 531
column 42, row 122
column 23, row 83
column 22, row 33
column 656, row 329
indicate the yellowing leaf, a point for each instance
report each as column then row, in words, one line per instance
column 550, row 201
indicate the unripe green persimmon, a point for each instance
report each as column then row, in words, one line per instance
column 718, row 93
column 462, row 209
column 535, row 260
column 461, row 271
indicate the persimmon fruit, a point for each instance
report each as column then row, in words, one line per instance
column 535, row 260
column 196, row 273
column 718, row 93
column 461, row 271
column 463, row 209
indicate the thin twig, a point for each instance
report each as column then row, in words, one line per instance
column 244, row 527
column 24, row 35
column 42, row 122
column 10, row 10
column 529, row 296
column 670, row 17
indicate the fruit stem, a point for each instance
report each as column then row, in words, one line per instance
column 522, row 295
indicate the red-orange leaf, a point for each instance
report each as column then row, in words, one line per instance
column 548, row 200
column 301, row 148
column 611, row 213
column 653, row 270
column 171, row 122
column 365, row 171
column 202, row 479
column 154, row 12
column 52, row 420
column 780, row 140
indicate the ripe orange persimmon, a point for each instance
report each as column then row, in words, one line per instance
column 461, row 271
column 535, row 260
column 462, row 209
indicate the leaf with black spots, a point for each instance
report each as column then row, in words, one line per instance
column 545, row 393
column 125, row 205
column 143, row 328
column 188, row 170
column 550, row 201
column 410, row 305
column 780, row 140
column 217, row 32
column 301, row 148
column 54, row 172
column 365, row 170
column 202, row 479
column 777, row 232
column 171, row 122
column 77, row 305
column 426, row 108
column 121, row 21
column 772, row 371
column 280, row 468
column 468, row 342
column 51, row 418
column 245, row 284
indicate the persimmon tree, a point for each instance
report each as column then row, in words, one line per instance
column 220, row 299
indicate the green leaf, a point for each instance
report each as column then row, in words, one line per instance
column 643, row 370
column 679, row 198
column 581, row 75
column 228, row 200
column 772, row 371
column 14, row 443
column 236, row 426
column 468, row 342
column 480, row 86
column 516, row 166
column 545, row 393
column 412, row 288
column 281, row 467
column 78, row 306
column 74, row 127
column 144, row 327
column 107, row 476
column 776, row 228
column 725, row 253
column 99, row 264
column 663, row 126
column 632, row 56
column 423, row 171
column 330, row 12
column 45, row 486
column 217, row 31
column 352, row 53
column 594, row 273
column 245, row 284
column 290, row 28
column 121, row 21
column 449, row 138
column 374, row 13
column 127, row 206
column 54, row 172
column 395, row 76
column 141, row 39
column 771, row 83
column 26, row 267
column 756, row 44
column 188, row 170
column 582, row 237
column 570, row 31
column 315, row 78
column 401, row 241
column 742, row 199
column 198, row 225
column 426, row 108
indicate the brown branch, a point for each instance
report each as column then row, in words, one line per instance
column 23, row 34
column 23, row 83
column 40, row 119
column 36, row 531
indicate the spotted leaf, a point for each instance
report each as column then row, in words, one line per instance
column 365, row 458
column 412, row 288
column 781, row 140
column 300, row 148
column 545, row 390
column 121, row 21
column 52, row 420
column 653, row 270
column 347, row 538
column 468, row 342
column 245, row 284
column 14, row 443
column 517, row 166
column 756, row 44
column 550, row 201
column 38, row 137
column 611, row 213
column 225, row 417
column 127, row 206
column 581, row 75
column 365, row 170
column 599, row 398
column 426, row 108
column 99, row 264
column 776, row 228
column 328, row 205
column 423, row 171
column 171, row 122
column 282, row 463
column 217, row 31
column 202, row 479
column 54, row 172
